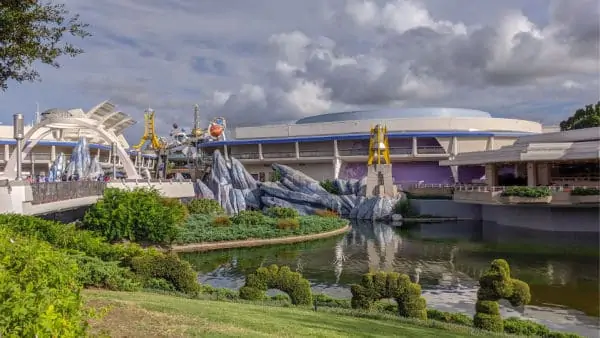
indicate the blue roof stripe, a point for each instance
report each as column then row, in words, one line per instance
column 49, row 143
column 365, row 136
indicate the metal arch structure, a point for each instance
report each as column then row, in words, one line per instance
column 47, row 125
column 149, row 133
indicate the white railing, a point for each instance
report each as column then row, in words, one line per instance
column 479, row 188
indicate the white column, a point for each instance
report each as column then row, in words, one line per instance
column 454, row 149
column 98, row 152
column 260, row 152
column 32, row 157
column 454, row 170
column 490, row 143
column 225, row 152
column 415, row 148
column 531, row 174
column 336, row 151
column 135, row 161
column 297, row 147
column 53, row 153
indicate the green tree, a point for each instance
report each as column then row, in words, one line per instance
column 34, row 31
column 587, row 117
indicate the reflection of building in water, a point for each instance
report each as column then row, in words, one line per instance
column 338, row 263
column 388, row 242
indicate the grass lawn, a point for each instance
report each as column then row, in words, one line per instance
column 141, row 314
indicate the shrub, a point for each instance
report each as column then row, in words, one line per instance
column 221, row 221
column 528, row 192
column 281, row 212
column 522, row 327
column 276, row 177
column 94, row 272
column 288, row 224
column 249, row 217
column 39, row 290
column 274, row 277
column 327, row 213
column 205, row 206
column 449, row 317
column 136, row 215
column 330, row 187
column 495, row 284
column 325, row 300
column 381, row 285
column 580, row 191
column 404, row 208
column 169, row 268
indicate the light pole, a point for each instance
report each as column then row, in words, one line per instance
column 19, row 134
column 114, row 159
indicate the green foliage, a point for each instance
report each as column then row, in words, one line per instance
column 39, row 290
column 330, row 187
column 327, row 213
column 96, row 258
column 205, row 206
column 404, row 208
column 587, row 117
column 275, row 277
column 169, row 268
column 528, row 192
column 199, row 229
column 495, row 284
column 281, row 212
column 522, row 327
column 381, row 285
column 249, row 217
column 140, row 215
column 325, row 300
column 449, row 317
column 581, row 191
column 34, row 31
column 221, row 221
column 276, row 177
column 288, row 224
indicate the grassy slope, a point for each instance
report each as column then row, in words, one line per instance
column 150, row 315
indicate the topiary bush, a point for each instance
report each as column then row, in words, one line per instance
column 168, row 267
column 275, row 277
column 249, row 217
column 288, row 224
column 381, row 285
column 495, row 284
column 281, row 212
column 205, row 206
column 39, row 290
column 141, row 215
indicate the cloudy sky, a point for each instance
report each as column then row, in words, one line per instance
column 261, row 61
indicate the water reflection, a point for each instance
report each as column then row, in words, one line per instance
column 445, row 258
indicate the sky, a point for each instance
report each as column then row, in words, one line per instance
column 269, row 61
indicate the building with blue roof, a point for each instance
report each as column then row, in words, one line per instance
column 335, row 145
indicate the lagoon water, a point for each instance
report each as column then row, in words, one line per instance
column 446, row 259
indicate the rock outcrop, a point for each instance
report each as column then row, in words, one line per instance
column 237, row 190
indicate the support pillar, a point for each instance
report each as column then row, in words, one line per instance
column 260, row 152
column 226, row 153
column 490, row 143
column 415, row 148
column 543, row 173
column 531, row 174
column 454, row 146
column 336, row 151
column 6, row 153
column 491, row 175
column 454, row 170
column 297, row 148
column 53, row 153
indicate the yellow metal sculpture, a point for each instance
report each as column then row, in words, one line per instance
column 379, row 146
column 149, row 133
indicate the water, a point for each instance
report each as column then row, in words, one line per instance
column 446, row 259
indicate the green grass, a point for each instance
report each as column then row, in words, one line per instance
column 143, row 314
column 200, row 229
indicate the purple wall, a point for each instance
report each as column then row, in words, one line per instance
column 400, row 143
column 466, row 174
column 408, row 172
column 427, row 142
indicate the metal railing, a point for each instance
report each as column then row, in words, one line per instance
column 47, row 192
column 484, row 188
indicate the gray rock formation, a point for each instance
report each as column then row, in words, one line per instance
column 237, row 190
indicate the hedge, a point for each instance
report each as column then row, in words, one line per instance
column 581, row 191
column 381, row 285
column 528, row 192
column 495, row 284
column 205, row 206
column 274, row 277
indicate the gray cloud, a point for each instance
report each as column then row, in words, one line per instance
column 267, row 61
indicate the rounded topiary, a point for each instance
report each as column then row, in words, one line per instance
column 282, row 279
column 205, row 206
column 381, row 285
column 495, row 284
